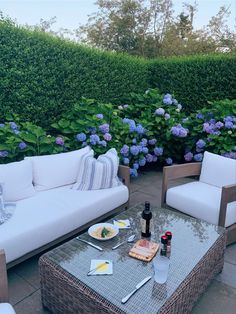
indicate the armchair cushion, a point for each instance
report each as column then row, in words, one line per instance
column 200, row 200
column 6, row 308
column 218, row 170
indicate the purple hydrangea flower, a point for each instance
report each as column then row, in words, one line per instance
column 134, row 150
column 219, row 125
column 135, row 165
column 142, row 162
column 3, row 153
column 133, row 172
column 124, row 150
column 229, row 125
column 59, row 141
column 99, row 116
column 200, row 116
column 149, row 158
column 104, row 128
column 188, row 156
column 125, row 161
column 94, row 139
column 230, row 155
column 13, row 125
column 167, row 116
column 22, row 145
column 145, row 150
column 140, row 129
column 154, row 158
column 179, row 131
column 158, row 151
column 143, row 142
column 228, row 119
column 169, row 161
column 107, row 137
column 198, row 157
column 152, row 141
column 208, row 128
column 200, row 144
column 81, row 137
column 103, row 143
column 2, row 125
column 160, row 112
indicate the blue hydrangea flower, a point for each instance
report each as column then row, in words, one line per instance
column 131, row 123
column 200, row 144
column 124, row 150
column 3, row 153
column 228, row 119
column 188, row 156
column 134, row 150
column 145, row 150
column 140, row 129
column 219, row 125
column 158, row 151
column 149, row 158
column 143, row 142
column 160, row 112
column 107, row 137
column 125, row 161
column 104, row 128
column 152, row 141
column 59, row 141
column 13, row 125
column 142, row 162
column 179, row 131
column 154, row 158
column 133, row 172
column 200, row 116
column 134, row 141
column 167, row 100
column 126, row 106
column 169, row 161
column 167, row 116
column 16, row 131
column 99, row 116
column 94, row 139
column 135, row 165
column 229, row 125
column 103, row 143
column 230, row 155
column 2, row 125
column 22, row 145
column 81, row 137
column 92, row 129
column 198, row 157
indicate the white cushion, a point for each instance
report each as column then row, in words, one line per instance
column 6, row 308
column 98, row 173
column 200, row 200
column 218, row 170
column 50, row 214
column 17, row 178
column 51, row 171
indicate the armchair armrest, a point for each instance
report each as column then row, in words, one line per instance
column 228, row 195
column 3, row 278
column 176, row 172
column 124, row 174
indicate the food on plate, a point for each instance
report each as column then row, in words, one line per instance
column 103, row 232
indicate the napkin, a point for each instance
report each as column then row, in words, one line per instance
column 122, row 223
column 100, row 267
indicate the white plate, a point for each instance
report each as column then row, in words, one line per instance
column 103, row 225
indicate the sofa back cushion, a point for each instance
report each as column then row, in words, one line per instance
column 51, row 171
column 218, row 170
column 16, row 179
column 98, row 173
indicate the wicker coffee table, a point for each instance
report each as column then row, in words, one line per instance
column 197, row 256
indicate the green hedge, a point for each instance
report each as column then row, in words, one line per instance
column 196, row 80
column 42, row 76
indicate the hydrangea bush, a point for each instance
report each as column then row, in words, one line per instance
column 149, row 128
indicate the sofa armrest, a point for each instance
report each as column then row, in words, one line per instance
column 124, row 174
column 176, row 172
column 228, row 195
column 3, row 278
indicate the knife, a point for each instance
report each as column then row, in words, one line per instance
column 139, row 285
column 90, row 243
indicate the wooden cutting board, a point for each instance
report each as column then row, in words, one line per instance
column 144, row 250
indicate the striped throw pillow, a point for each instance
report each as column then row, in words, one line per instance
column 101, row 173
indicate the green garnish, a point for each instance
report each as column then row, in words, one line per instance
column 104, row 232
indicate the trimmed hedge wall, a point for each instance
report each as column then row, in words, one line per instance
column 43, row 76
column 196, row 80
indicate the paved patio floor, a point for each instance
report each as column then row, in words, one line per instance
column 220, row 297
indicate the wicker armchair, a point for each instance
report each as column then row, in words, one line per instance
column 183, row 197
column 5, row 307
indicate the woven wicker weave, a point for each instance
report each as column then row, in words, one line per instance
column 197, row 256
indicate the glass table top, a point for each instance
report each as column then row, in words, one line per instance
column 192, row 238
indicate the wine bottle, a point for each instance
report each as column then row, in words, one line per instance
column 146, row 221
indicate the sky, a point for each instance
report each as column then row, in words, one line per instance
column 73, row 13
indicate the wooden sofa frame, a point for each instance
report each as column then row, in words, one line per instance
column 4, row 297
column 124, row 174
column 194, row 169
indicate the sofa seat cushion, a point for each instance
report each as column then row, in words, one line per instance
column 200, row 200
column 218, row 170
column 6, row 308
column 52, row 171
column 53, row 213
